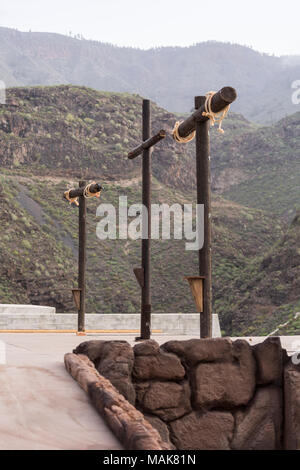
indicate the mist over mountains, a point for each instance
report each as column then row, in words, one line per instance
column 170, row 76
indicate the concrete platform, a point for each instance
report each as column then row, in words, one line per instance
column 41, row 406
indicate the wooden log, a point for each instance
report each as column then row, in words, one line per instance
column 77, row 192
column 147, row 144
column 219, row 101
column 146, row 242
column 126, row 422
column 82, row 258
column 204, row 197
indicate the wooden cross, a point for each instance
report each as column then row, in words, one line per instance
column 72, row 195
column 199, row 121
column 143, row 274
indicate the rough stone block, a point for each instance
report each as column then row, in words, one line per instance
column 292, row 407
column 116, row 364
column 161, row 427
column 269, row 360
column 146, row 348
column 193, row 351
column 225, row 384
column 259, row 426
column 168, row 400
column 92, row 349
column 125, row 387
column 161, row 366
column 212, row 430
column 114, row 350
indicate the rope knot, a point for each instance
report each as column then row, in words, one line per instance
column 87, row 193
column 212, row 116
column 209, row 113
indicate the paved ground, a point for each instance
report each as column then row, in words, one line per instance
column 41, row 407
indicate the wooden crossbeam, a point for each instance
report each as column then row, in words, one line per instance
column 147, row 144
column 77, row 192
column 198, row 121
column 219, row 101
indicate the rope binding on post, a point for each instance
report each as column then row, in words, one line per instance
column 178, row 138
column 72, row 200
column 87, row 193
column 214, row 117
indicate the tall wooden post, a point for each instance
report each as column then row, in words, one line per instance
column 146, row 242
column 204, row 197
column 143, row 274
column 82, row 259
column 199, row 121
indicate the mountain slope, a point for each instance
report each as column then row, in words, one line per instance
column 171, row 76
column 77, row 131
column 268, row 290
column 267, row 160
column 40, row 231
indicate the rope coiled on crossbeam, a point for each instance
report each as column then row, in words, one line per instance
column 86, row 193
column 72, row 200
column 178, row 138
column 212, row 116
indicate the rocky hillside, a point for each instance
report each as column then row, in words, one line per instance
column 171, row 76
column 52, row 136
column 269, row 158
column 77, row 131
column 267, row 292
column 39, row 242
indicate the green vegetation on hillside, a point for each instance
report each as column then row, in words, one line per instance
column 238, row 233
column 267, row 290
column 50, row 137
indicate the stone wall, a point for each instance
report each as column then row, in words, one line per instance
column 126, row 422
column 209, row 393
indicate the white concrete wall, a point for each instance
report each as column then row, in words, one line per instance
column 22, row 318
column 6, row 309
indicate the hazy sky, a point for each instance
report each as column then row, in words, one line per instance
column 267, row 25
